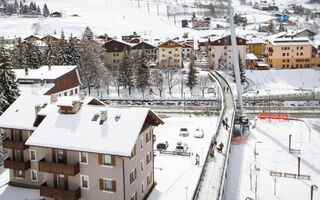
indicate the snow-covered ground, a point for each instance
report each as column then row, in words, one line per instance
column 177, row 176
column 273, row 155
column 14, row 193
column 274, row 82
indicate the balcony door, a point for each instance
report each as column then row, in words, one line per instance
column 62, row 181
column 18, row 155
column 59, row 156
column 17, row 135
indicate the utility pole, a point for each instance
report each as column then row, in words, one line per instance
column 158, row 10
column 256, row 188
column 148, row 7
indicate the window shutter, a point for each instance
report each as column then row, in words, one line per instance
column 101, row 183
column 113, row 160
column 100, row 158
column 114, row 186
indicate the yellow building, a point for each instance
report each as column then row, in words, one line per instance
column 170, row 54
column 256, row 46
column 289, row 53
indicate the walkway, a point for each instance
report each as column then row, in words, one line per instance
column 211, row 184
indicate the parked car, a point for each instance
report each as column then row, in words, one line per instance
column 181, row 147
column 162, row 146
column 184, row 132
column 198, row 133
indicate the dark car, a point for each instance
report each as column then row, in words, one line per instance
column 162, row 146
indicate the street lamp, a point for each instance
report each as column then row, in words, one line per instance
column 315, row 187
column 255, row 154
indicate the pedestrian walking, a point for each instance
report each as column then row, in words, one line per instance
column 226, row 120
column 223, row 122
column 220, row 147
column 211, row 153
column 197, row 159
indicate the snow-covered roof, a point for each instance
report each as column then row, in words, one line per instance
column 80, row 132
column 44, row 73
column 256, row 41
column 251, row 56
column 291, row 41
column 35, row 89
column 21, row 114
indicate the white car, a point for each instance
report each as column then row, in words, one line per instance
column 184, row 132
column 198, row 133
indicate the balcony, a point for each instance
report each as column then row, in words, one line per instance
column 10, row 164
column 11, row 144
column 56, row 193
column 58, row 168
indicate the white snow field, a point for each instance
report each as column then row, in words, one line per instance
column 273, row 155
column 177, row 176
column 275, row 82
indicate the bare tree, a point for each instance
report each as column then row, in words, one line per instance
column 116, row 82
column 203, row 83
column 169, row 80
column 158, row 81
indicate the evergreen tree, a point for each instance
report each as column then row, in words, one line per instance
column 242, row 72
column 8, row 84
column 50, row 53
column 17, row 55
column 63, row 56
column 31, row 56
column 192, row 76
column 142, row 72
column 45, row 11
column 88, row 34
column 125, row 72
column 73, row 51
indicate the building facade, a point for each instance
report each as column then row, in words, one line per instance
column 114, row 50
column 289, row 53
column 170, row 54
column 111, row 169
column 220, row 49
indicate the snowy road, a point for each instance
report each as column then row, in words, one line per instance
column 210, row 187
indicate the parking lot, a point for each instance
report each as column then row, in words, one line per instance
column 176, row 175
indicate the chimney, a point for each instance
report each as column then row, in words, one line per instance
column 103, row 116
column 37, row 109
column 53, row 98
column 76, row 106
column 49, row 67
column 26, row 71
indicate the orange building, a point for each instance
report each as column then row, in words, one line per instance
column 289, row 53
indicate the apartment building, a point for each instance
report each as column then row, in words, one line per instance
column 61, row 80
column 256, row 46
column 78, row 148
column 114, row 50
column 221, row 47
column 170, row 54
column 148, row 49
column 289, row 53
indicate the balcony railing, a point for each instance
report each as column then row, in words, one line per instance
column 58, row 168
column 11, row 144
column 10, row 164
column 56, row 193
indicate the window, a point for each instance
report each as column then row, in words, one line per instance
column 176, row 49
column 149, row 179
column 148, row 158
column 19, row 173
column 65, row 93
column 283, row 54
column 18, row 155
column 71, row 92
column 107, row 185
column 60, row 155
column 301, row 54
column 141, row 143
column 287, row 54
column 148, row 136
column 142, row 188
column 162, row 49
column 33, row 155
column 133, row 175
column 84, row 181
column 170, row 52
column 134, row 196
column 105, row 159
column 34, row 175
column 17, row 135
column 142, row 165
column 76, row 91
column 133, row 153
column 83, row 157
column 301, row 47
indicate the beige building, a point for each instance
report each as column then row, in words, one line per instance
column 170, row 54
column 220, row 48
column 114, row 51
column 289, row 53
column 77, row 148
